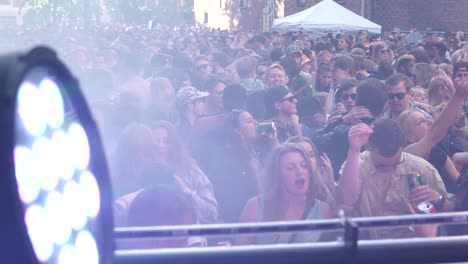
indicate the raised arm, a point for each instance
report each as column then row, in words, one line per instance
column 442, row 123
column 347, row 191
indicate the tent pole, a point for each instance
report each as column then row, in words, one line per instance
column 362, row 7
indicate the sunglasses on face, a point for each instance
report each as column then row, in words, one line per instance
column 202, row 67
column 345, row 97
column 385, row 51
column 400, row 96
column 290, row 99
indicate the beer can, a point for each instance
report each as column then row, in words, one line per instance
column 266, row 127
column 426, row 208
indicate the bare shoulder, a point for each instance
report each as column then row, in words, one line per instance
column 326, row 211
column 251, row 211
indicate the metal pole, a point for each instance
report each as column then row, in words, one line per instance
column 428, row 250
column 363, row 8
column 294, row 226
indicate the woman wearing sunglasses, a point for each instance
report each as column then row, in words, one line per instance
column 380, row 52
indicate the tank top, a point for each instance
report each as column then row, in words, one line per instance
column 313, row 211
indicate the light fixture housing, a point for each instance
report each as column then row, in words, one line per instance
column 55, row 192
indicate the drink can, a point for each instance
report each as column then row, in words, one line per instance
column 426, row 208
column 266, row 127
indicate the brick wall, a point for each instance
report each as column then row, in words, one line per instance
column 440, row 15
column 390, row 14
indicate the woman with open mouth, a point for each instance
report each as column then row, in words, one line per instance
column 291, row 190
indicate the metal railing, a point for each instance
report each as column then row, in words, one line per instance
column 434, row 250
column 349, row 250
column 292, row 226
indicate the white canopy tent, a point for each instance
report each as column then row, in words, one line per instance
column 325, row 17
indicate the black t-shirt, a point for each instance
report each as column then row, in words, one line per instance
column 438, row 158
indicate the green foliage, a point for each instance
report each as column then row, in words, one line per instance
column 139, row 11
column 61, row 11
column 128, row 11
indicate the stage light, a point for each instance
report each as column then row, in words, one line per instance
column 54, row 189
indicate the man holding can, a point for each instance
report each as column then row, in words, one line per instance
column 281, row 108
column 376, row 182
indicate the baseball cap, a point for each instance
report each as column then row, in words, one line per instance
column 188, row 94
column 273, row 95
column 292, row 49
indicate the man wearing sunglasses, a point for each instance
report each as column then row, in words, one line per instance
column 397, row 87
column 281, row 108
column 348, row 96
column 201, row 71
column 369, row 105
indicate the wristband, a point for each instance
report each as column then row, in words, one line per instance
column 441, row 203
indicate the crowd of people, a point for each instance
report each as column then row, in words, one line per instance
column 209, row 126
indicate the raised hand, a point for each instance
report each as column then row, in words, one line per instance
column 340, row 108
column 358, row 136
column 337, row 114
column 356, row 114
column 441, row 74
column 326, row 170
column 423, row 193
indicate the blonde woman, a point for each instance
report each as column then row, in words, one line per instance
column 291, row 190
column 423, row 73
column 380, row 52
column 422, row 136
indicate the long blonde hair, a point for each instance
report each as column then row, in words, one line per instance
column 439, row 91
column 376, row 47
column 423, row 74
column 271, row 185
